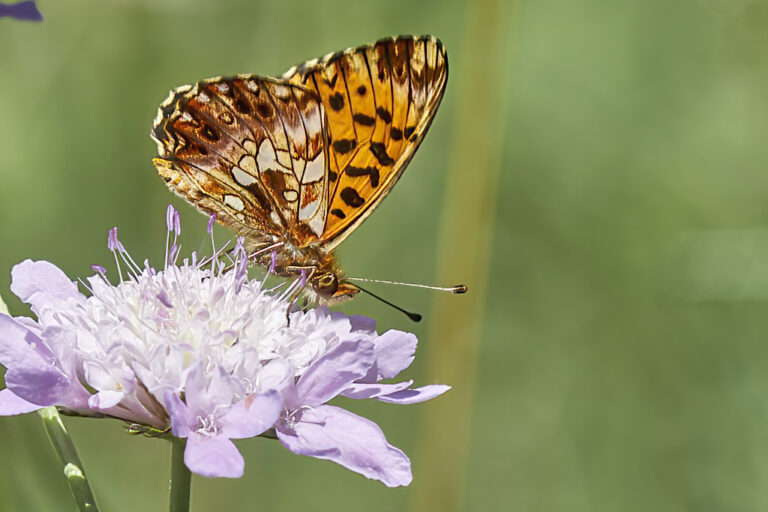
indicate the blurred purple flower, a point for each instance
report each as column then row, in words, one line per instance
column 21, row 11
column 200, row 349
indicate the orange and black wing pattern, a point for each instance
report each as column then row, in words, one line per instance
column 379, row 101
column 250, row 150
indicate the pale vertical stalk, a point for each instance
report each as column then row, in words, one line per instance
column 181, row 478
column 466, row 230
column 70, row 461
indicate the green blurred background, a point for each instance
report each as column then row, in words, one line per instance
column 596, row 175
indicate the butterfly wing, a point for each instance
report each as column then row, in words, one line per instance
column 380, row 100
column 251, row 150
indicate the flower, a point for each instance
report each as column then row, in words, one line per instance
column 202, row 351
column 21, row 10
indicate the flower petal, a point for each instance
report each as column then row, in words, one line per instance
column 334, row 372
column 252, row 415
column 395, row 352
column 105, row 399
column 30, row 375
column 213, row 457
column 332, row 433
column 39, row 283
column 11, row 404
column 207, row 388
column 181, row 418
column 360, row 391
column 414, row 396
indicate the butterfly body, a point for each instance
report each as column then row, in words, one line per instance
column 295, row 164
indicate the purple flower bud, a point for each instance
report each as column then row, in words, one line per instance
column 99, row 270
column 211, row 221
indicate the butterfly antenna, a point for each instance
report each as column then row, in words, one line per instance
column 458, row 289
column 413, row 316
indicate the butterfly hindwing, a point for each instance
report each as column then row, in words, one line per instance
column 251, row 150
column 380, row 100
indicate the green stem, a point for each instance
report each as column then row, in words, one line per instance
column 70, row 461
column 180, row 477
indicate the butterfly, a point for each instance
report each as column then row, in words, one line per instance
column 295, row 164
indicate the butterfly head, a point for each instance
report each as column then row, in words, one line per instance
column 331, row 290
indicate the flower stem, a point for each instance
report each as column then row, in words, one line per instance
column 71, row 465
column 180, row 477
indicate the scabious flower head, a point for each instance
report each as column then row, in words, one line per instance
column 202, row 351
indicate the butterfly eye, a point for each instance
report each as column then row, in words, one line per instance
column 326, row 284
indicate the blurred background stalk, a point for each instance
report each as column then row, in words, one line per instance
column 467, row 225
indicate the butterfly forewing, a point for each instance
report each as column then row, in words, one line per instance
column 296, row 164
column 251, row 150
column 380, row 100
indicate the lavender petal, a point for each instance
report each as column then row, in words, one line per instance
column 252, row 416
column 414, row 396
column 358, row 444
column 335, row 371
column 10, row 404
column 213, row 457
column 39, row 283
column 394, row 352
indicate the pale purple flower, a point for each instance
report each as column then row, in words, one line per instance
column 202, row 351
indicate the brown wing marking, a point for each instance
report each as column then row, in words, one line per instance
column 403, row 79
column 229, row 147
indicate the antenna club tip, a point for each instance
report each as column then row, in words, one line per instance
column 459, row 289
column 414, row 316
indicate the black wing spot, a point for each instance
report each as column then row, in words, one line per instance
column 344, row 145
column 380, row 152
column 350, row 196
column 209, row 133
column 384, row 114
column 264, row 110
column 364, row 119
column 409, row 130
column 332, row 83
column 242, row 106
column 361, row 90
column 336, row 101
column 395, row 133
column 371, row 172
column 332, row 175
column 340, row 214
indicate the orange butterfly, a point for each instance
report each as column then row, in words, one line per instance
column 295, row 164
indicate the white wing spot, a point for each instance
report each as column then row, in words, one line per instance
column 267, row 160
column 222, row 87
column 234, row 202
column 252, row 86
column 203, row 98
column 317, row 224
column 281, row 91
column 309, row 210
column 242, row 177
column 248, row 163
column 315, row 169
column 290, row 195
column 249, row 146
